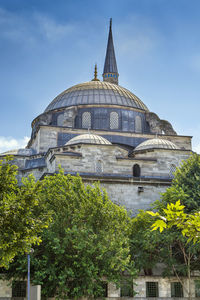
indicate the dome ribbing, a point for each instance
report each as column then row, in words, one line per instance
column 88, row 139
column 156, row 143
column 96, row 92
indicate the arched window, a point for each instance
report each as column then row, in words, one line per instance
column 138, row 124
column 172, row 170
column 136, row 170
column 60, row 120
column 86, row 120
column 114, row 120
column 99, row 167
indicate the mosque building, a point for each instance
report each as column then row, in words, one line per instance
column 105, row 133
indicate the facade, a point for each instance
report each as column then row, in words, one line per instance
column 104, row 132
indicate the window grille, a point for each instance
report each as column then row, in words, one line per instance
column 172, row 170
column 197, row 288
column 19, row 289
column 103, row 293
column 152, row 289
column 99, row 167
column 138, row 124
column 176, row 290
column 136, row 170
column 114, row 120
column 86, row 120
column 126, row 288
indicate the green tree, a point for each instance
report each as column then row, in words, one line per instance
column 144, row 244
column 22, row 215
column 174, row 215
column 86, row 245
column 185, row 186
column 178, row 214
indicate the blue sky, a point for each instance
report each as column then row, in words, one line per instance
column 47, row 46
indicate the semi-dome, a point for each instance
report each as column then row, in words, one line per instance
column 156, row 143
column 88, row 139
column 96, row 92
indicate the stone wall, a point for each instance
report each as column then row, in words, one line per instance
column 47, row 137
column 164, row 288
column 5, row 289
column 114, row 160
column 128, row 195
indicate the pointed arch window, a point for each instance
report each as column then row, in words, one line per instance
column 99, row 166
column 60, row 120
column 138, row 124
column 136, row 170
column 172, row 170
column 114, row 120
column 86, row 120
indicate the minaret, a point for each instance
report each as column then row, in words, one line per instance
column 110, row 72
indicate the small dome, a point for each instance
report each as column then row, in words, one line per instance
column 156, row 143
column 96, row 92
column 10, row 152
column 88, row 139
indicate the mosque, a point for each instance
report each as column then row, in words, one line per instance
column 106, row 133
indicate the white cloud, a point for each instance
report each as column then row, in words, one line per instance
column 16, row 28
column 138, row 37
column 30, row 30
column 51, row 29
column 10, row 143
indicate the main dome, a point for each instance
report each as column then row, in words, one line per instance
column 96, row 92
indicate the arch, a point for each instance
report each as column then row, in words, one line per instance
column 136, row 170
column 138, row 124
column 86, row 120
column 99, row 166
column 60, row 119
column 76, row 122
column 114, row 120
column 172, row 169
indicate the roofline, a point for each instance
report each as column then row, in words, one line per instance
column 116, row 178
column 166, row 149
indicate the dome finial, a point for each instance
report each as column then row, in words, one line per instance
column 95, row 73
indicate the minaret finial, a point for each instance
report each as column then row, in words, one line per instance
column 111, row 23
column 110, row 72
column 95, row 73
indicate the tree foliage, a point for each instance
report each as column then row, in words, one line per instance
column 180, row 204
column 178, row 215
column 174, row 215
column 22, row 214
column 144, row 244
column 185, row 185
column 86, row 244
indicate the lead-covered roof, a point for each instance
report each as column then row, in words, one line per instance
column 96, row 92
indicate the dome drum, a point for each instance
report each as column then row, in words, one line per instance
column 112, row 119
column 127, row 142
column 97, row 118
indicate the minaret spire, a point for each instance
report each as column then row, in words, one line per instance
column 110, row 72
